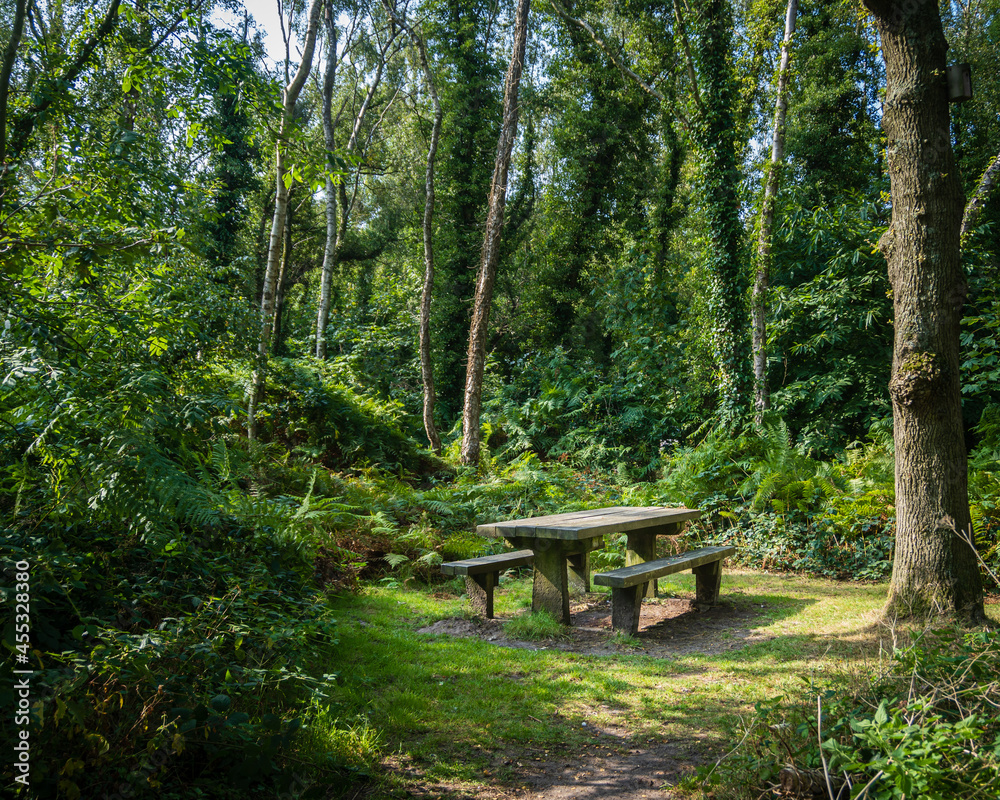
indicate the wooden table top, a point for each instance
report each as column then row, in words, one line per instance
column 576, row 525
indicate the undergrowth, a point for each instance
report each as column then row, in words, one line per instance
column 924, row 726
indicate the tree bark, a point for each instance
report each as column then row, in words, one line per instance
column 759, row 303
column 426, row 364
column 6, row 68
column 278, row 336
column 333, row 245
column 476, row 361
column 935, row 572
column 714, row 132
column 274, row 248
column 329, row 250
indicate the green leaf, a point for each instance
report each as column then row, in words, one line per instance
column 221, row 702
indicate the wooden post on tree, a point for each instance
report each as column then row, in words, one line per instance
column 935, row 570
column 491, row 245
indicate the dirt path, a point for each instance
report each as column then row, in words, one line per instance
column 616, row 766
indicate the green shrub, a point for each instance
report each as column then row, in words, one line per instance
column 926, row 728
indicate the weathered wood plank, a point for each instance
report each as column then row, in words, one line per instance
column 641, row 573
column 584, row 524
column 484, row 564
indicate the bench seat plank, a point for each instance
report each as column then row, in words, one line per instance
column 477, row 566
column 628, row 584
column 649, row 570
column 483, row 574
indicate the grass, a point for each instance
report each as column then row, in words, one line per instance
column 456, row 709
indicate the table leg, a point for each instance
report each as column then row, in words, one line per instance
column 578, row 565
column 550, row 587
column 641, row 547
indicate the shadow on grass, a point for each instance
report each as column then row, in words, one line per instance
column 461, row 710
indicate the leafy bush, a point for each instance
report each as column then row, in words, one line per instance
column 197, row 651
column 926, row 728
column 783, row 508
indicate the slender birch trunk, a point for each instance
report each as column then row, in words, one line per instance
column 475, row 368
column 333, row 242
column 759, row 302
column 426, row 365
column 329, row 250
column 274, row 248
column 281, row 286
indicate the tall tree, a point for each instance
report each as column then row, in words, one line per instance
column 335, row 233
column 762, row 273
column 330, row 143
column 426, row 294
column 476, row 361
column 714, row 132
column 935, row 570
column 282, row 184
column 461, row 33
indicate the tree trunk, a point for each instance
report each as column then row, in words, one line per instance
column 714, row 132
column 426, row 364
column 329, row 250
column 6, row 68
column 491, row 246
column 333, row 245
column 759, row 304
column 979, row 197
column 274, row 248
column 277, row 342
column 934, row 571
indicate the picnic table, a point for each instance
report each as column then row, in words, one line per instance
column 561, row 545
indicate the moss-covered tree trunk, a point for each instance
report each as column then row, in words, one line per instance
column 935, row 572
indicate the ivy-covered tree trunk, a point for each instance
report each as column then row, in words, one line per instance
column 715, row 136
column 460, row 32
column 476, row 362
column 759, row 303
column 935, row 571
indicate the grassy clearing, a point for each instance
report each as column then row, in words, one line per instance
column 458, row 708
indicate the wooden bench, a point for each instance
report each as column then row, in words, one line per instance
column 483, row 574
column 628, row 584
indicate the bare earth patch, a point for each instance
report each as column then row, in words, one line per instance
column 616, row 764
column 668, row 627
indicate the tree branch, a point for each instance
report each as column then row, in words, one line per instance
column 26, row 125
column 622, row 67
column 979, row 197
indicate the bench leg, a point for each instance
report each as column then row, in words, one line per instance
column 578, row 569
column 480, row 589
column 707, row 580
column 625, row 606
